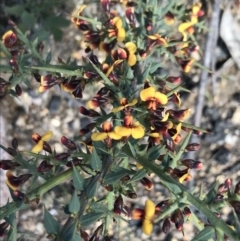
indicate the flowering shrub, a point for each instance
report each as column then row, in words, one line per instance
column 138, row 127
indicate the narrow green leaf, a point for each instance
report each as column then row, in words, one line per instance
column 145, row 74
column 211, row 193
column 16, row 10
column 115, row 176
column 206, row 234
column 50, row 224
column 105, row 78
column 78, row 180
column 74, row 204
column 12, row 233
column 69, row 233
column 62, row 70
column 28, row 19
column 49, row 57
column 77, row 237
column 98, row 207
column 91, row 190
column 132, row 149
column 236, row 223
column 90, row 218
column 96, row 162
column 35, row 42
column 138, row 175
column 154, row 152
column 5, row 51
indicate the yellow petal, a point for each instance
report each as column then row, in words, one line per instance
column 184, row 26
column 154, row 134
column 162, row 98
column 123, row 131
column 114, row 135
column 194, row 19
column 165, row 118
column 81, row 9
column 196, row 7
column 149, row 209
column 182, row 178
column 132, row 59
column 110, row 69
column 117, row 22
column 131, row 47
column 137, row 132
column 139, row 166
column 178, row 129
column 99, row 136
column 117, row 109
column 147, row 227
column 38, row 147
column 133, row 102
column 145, row 94
column 47, row 136
column 121, row 34
column 153, row 37
column 10, row 185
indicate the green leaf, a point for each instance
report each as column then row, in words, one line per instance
column 98, row 207
column 114, row 176
column 70, row 232
column 12, row 234
column 138, row 175
column 50, row 224
column 90, row 218
column 132, row 149
column 154, row 152
column 91, row 190
column 57, row 22
column 78, row 180
column 77, row 237
column 236, row 223
column 6, row 52
column 28, row 19
column 49, row 57
column 206, row 234
column 155, row 67
column 211, row 194
column 105, row 78
column 96, row 162
column 145, row 74
column 16, row 10
column 74, row 205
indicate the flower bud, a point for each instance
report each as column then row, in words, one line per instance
column 192, row 147
column 20, row 196
column 11, row 151
column 237, row 188
column 118, row 205
column 147, row 183
column 186, row 211
column 125, row 178
column 3, row 227
column 162, row 205
column 221, row 188
column 68, row 143
column 228, row 183
column 132, row 195
column 74, row 162
column 46, row 147
column 18, row 90
column 137, row 213
column 15, row 143
column 44, row 167
column 174, row 80
column 178, row 219
column 14, row 65
column 62, row 156
column 9, row 39
column 8, row 164
column 105, row 5
column 14, row 182
column 84, row 235
column 166, row 225
column 192, row 164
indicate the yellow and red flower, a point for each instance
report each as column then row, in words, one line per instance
column 117, row 31
column 153, row 98
column 147, row 216
column 81, row 24
column 156, row 40
column 124, row 104
column 130, row 128
column 107, row 132
column 41, row 142
column 127, row 54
